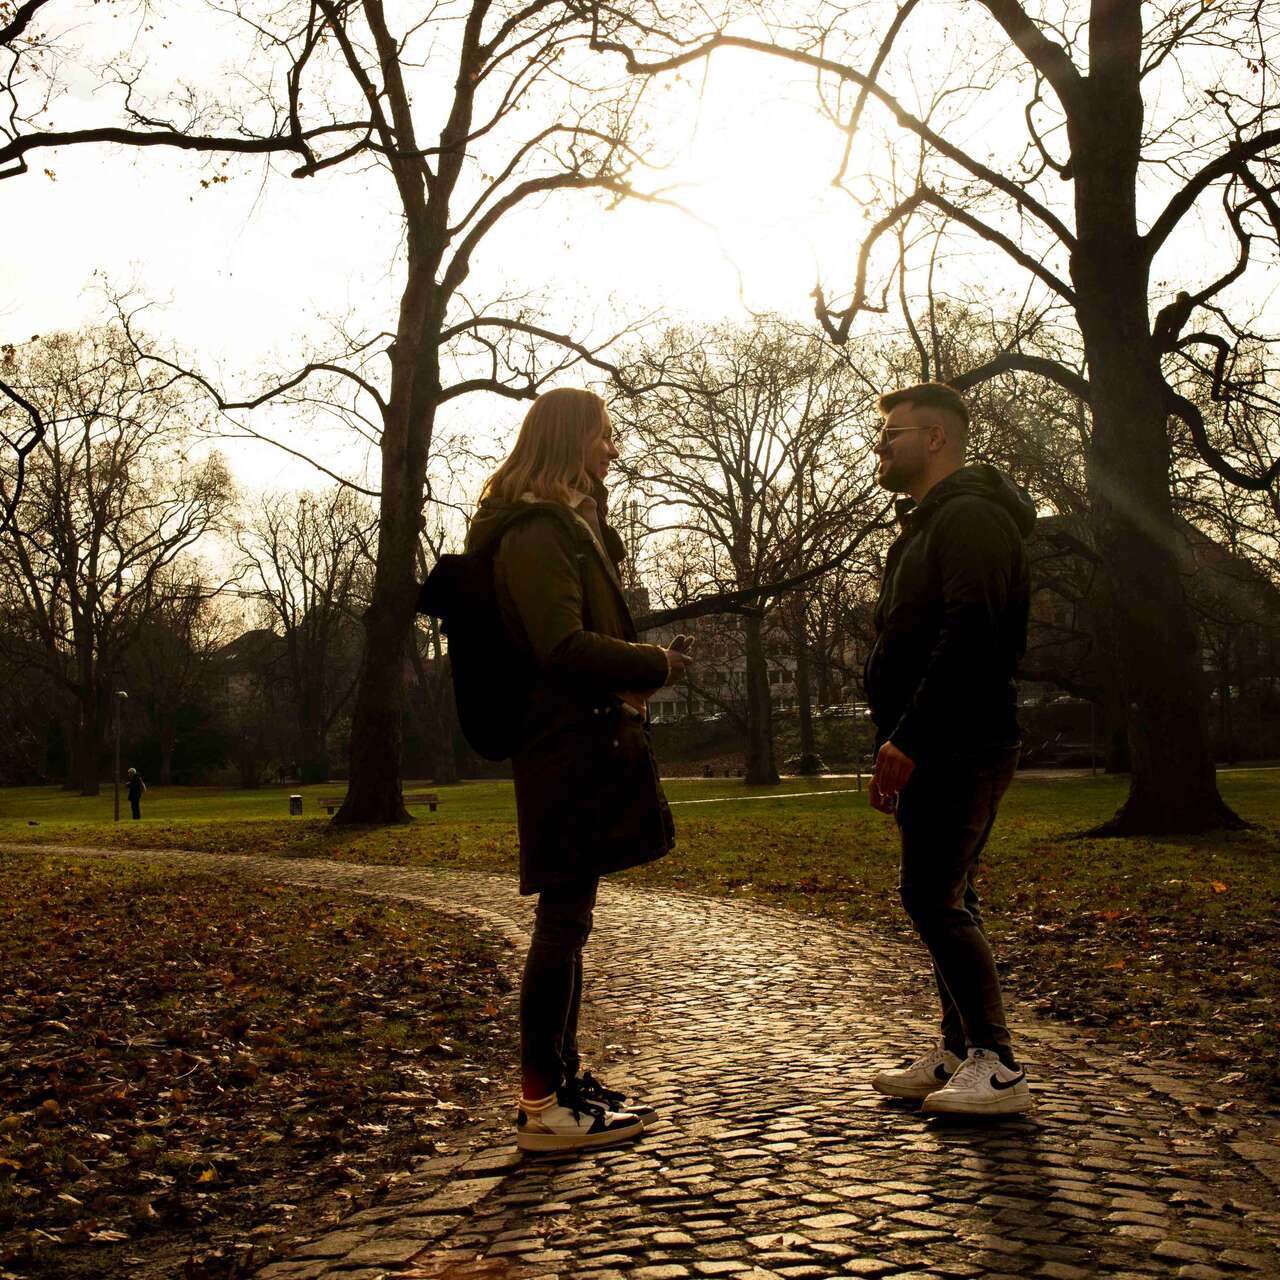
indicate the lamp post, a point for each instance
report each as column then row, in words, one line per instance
column 121, row 695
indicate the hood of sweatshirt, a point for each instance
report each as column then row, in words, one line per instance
column 979, row 480
column 487, row 525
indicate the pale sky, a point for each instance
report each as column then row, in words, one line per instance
column 244, row 273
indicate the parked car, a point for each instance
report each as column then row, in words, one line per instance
column 845, row 711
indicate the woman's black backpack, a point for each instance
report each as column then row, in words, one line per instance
column 492, row 674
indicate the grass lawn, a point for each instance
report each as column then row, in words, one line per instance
column 194, row 1068
column 1171, row 946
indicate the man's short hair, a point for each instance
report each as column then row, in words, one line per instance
column 930, row 395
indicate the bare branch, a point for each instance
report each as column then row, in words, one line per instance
column 21, row 20
column 1048, row 58
column 1229, row 162
column 13, row 152
column 1191, row 415
column 9, row 502
column 1017, row 362
column 1022, row 198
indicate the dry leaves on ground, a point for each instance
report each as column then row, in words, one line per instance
column 186, row 1061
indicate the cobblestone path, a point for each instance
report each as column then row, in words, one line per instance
column 754, row 1032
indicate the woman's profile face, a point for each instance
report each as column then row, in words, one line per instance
column 599, row 452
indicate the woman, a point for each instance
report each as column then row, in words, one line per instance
column 588, row 799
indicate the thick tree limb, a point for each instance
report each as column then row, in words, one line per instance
column 1229, row 162
column 1017, row 362
column 839, row 333
column 1001, row 241
column 9, row 502
column 21, row 20
column 1051, row 60
column 1221, row 347
column 748, row 600
column 13, row 152
column 1191, row 415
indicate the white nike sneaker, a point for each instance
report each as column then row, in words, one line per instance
column 921, row 1078
column 983, row 1086
column 566, row 1121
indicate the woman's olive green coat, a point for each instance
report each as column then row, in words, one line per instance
column 588, row 797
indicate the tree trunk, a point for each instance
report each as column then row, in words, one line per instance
column 88, row 746
column 761, row 768
column 374, row 793
column 435, row 699
column 377, row 730
column 825, row 688
column 313, row 756
column 1173, row 786
column 1115, row 732
column 809, row 762
column 1228, row 729
column 168, row 740
column 446, row 724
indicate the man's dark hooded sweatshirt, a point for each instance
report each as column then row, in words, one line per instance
column 951, row 621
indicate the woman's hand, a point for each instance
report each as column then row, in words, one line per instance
column 679, row 659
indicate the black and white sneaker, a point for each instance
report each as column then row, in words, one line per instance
column 983, row 1086
column 566, row 1121
column 594, row 1090
column 921, row 1078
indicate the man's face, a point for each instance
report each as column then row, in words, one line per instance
column 903, row 448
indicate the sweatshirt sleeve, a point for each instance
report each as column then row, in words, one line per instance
column 975, row 565
column 538, row 565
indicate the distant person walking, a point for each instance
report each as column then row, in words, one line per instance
column 951, row 626
column 136, row 788
column 588, row 799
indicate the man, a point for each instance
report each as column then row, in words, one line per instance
column 136, row 788
column 951, row 625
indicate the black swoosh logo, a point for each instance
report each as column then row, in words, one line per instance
column 997, row 1083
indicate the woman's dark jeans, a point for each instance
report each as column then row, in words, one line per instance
column 945, row 814
column 551, row 993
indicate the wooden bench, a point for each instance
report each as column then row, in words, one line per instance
column 430, row 798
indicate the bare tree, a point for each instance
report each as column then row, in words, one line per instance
column 744, row 447
column 111, row 501
column 170, row 662
column 1150, row 129
column 306, row 560
column 529, row 113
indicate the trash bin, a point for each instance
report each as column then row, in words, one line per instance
column 295, row 805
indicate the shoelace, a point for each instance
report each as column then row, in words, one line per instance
column 597, row 1090
column 571, row 1097
column 970, row 1072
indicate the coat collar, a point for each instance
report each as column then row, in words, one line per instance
column 605, row 558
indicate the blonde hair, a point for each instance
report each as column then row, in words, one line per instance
column 549, row 452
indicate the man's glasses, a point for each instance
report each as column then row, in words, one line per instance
column 885, row 438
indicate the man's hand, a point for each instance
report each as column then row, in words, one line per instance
column 893, row 769
column 879, row 801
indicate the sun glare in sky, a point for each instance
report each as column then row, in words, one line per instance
column 252, row 274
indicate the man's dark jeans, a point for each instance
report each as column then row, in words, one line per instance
column 945, row 813
column 551, row 993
